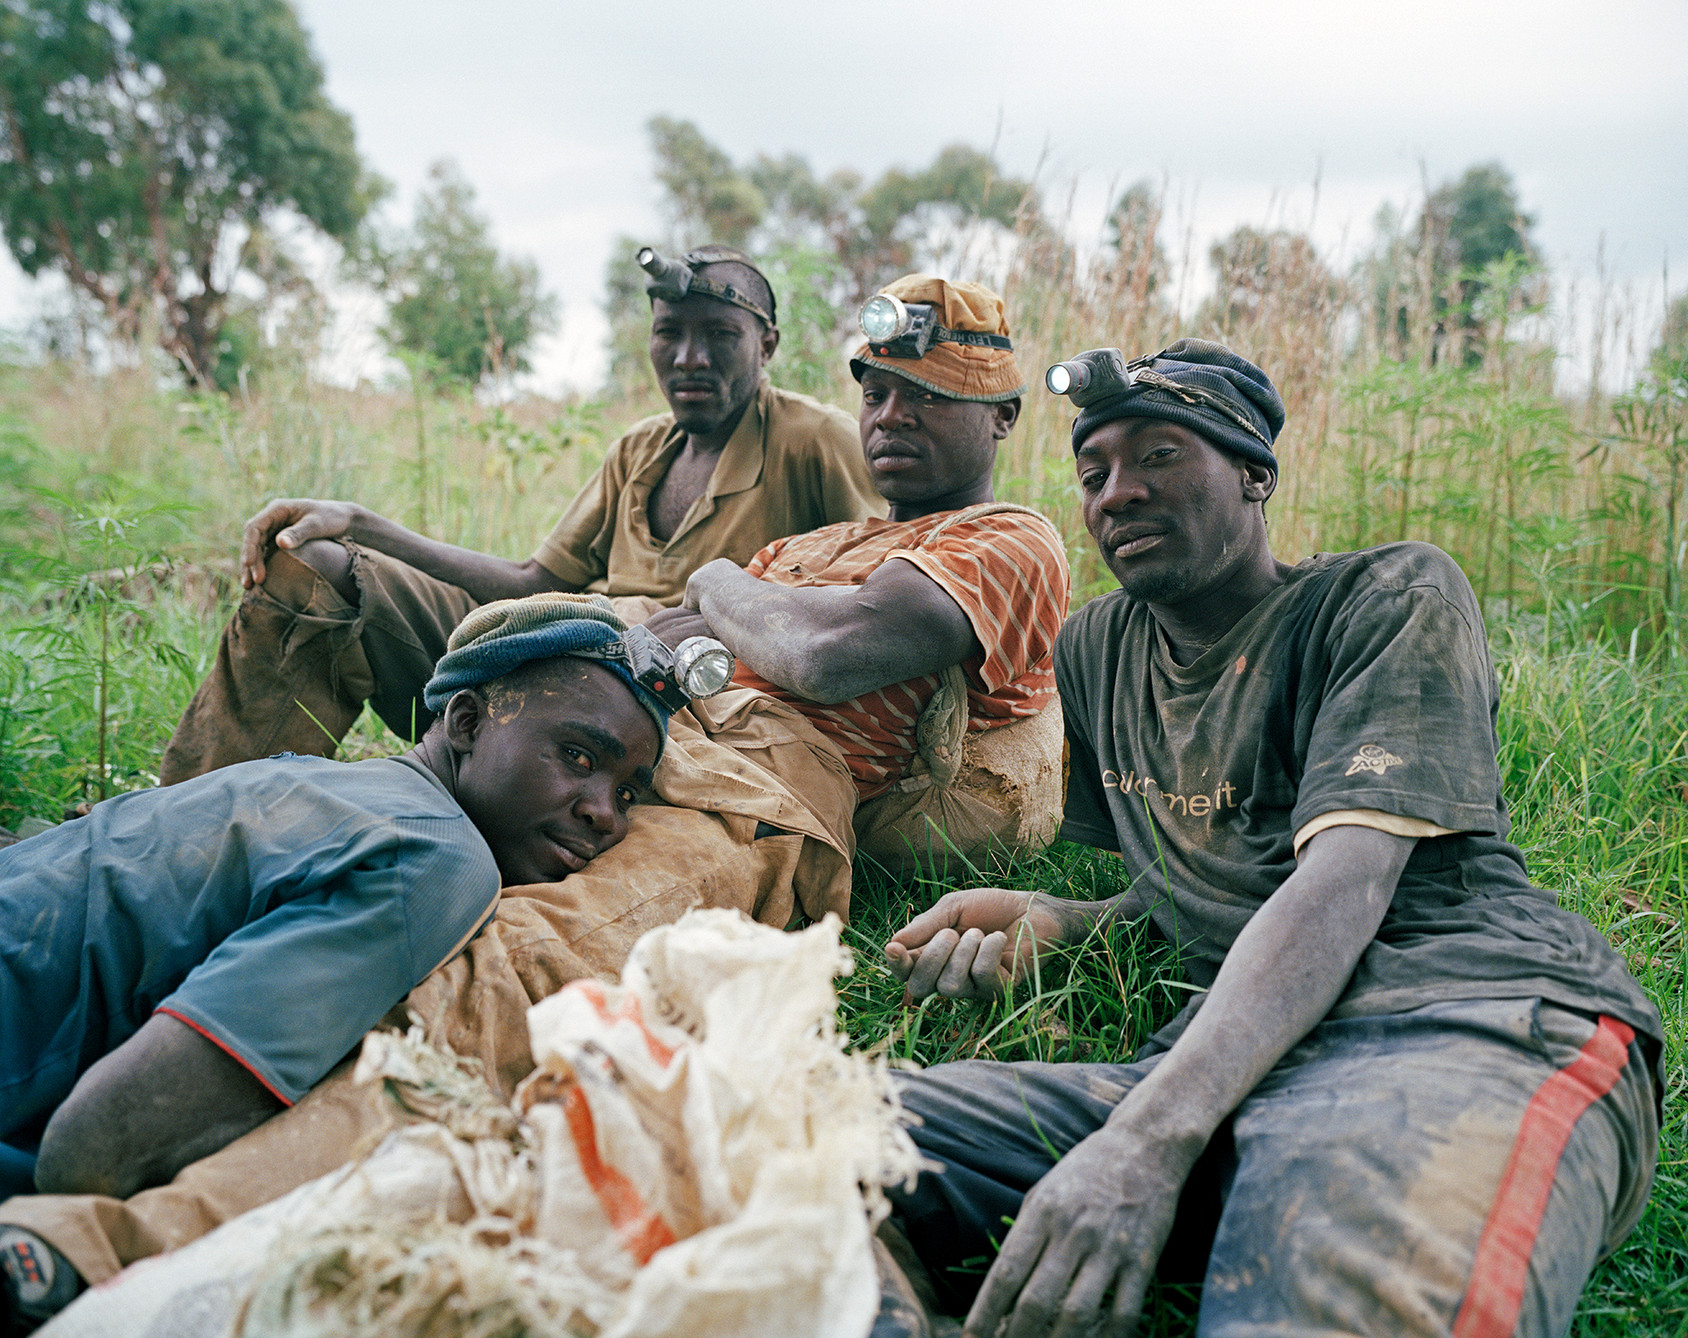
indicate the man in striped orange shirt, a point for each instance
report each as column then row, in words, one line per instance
column 938, row 620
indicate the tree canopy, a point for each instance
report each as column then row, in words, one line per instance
column 148, row 143
column 454, row 299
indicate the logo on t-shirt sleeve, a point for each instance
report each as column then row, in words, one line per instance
column 1372, row 758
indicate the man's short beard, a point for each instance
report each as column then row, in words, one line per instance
column 698, row 421
column 1155, row 587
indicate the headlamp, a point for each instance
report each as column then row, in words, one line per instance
column 701, row 667
column 1100, row 373
column 1092, row 376
column 671, row 280
column 884, row 318
column 675, row 280
column 898, row 329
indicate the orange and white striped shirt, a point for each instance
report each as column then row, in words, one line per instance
column 1007, row 571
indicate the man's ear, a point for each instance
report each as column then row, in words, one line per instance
column 770, row 342
column 1259, row 481
column 465, row 715
column 1003, row 417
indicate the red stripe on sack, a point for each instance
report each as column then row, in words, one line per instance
column 1496, row 1292
column 232, row 1054
column 642, row 1232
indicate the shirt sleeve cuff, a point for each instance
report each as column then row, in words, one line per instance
column 563, row 565
column 1375, row 818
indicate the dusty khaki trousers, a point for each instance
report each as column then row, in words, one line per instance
column 297, row 662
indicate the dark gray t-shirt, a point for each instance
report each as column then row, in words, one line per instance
column 1364, row 682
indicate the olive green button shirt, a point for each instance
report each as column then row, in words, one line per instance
column 792, row 465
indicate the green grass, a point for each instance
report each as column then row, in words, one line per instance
column 100, row 648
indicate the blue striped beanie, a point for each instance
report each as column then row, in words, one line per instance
column 498, row 638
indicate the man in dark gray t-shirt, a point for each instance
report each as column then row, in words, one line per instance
column 1414, row 1095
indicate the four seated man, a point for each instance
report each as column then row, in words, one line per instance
column 1295, row 764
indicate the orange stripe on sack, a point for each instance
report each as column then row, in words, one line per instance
column 629, row 1011
column 642, row 1231
column 1496, row 1292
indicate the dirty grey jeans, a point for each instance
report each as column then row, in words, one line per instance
column 1457, row 1168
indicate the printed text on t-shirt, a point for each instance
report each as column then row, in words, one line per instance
column 1202, row 805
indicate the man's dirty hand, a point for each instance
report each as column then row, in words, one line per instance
column 1084, row 1246
column 288, row 522
column 973, row 942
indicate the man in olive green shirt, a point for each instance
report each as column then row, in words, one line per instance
column 345, row 606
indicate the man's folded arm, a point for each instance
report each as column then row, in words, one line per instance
column 832, row 643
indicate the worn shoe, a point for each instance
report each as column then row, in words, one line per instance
column 36, row 1281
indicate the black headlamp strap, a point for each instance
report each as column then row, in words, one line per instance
column 943, row 335
column 722, row 292
column 647, row 660
column 910, row 345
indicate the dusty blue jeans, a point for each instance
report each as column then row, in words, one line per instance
column 1376, row 1182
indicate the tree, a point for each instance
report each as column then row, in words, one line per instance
column 1472, row 222
column 1132, row 233
column 454, row 299
column 1670, row 358
column 1471, row 231
column 148, row 143
column 709, row 199
column 1269, row 279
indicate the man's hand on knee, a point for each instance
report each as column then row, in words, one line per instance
column 1085, row 1243
column 287, row 523
column 164, row 1098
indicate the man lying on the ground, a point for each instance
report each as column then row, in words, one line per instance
column 1414, row 1096
column 758, row 790
column 345, row 606
column 935, row 624
column 182, row 963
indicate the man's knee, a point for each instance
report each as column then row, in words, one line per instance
column 331, row 560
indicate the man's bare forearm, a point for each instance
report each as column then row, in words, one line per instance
column 1078, row 919
column 485, row 577
column 1281, row 977
column 773, row 629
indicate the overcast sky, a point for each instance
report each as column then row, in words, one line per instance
column 1240, row 106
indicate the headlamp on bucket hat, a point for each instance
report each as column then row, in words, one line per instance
column 897, row 329
column 675, row 280
column 1198, row 384
column 951, row 337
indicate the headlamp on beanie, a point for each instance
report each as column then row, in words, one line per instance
column 1098, row 374
column 1092, row 376
column 699, row 667
column 898, row 329
column 675, row 280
